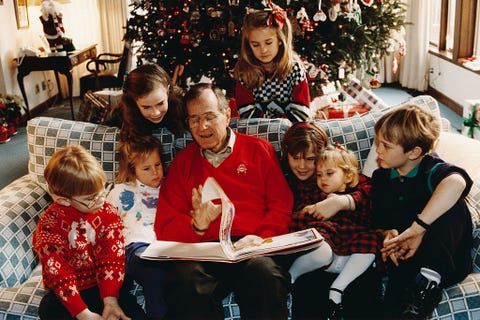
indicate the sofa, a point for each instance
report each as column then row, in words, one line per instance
column 23, row 201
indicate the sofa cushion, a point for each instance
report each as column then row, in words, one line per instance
column 21, row 203
column 46, row 135
column 271, row 130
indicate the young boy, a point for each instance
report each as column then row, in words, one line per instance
column 80, row 243
column 418, row 201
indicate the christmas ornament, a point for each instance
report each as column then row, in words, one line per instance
column 320, row 15
column 4, row 137
column 368, row 3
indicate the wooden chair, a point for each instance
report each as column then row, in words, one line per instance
column 102, row 75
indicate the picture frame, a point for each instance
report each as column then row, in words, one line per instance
column 21, row 13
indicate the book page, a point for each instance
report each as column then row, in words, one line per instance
column 284, row 242
column 212, row 190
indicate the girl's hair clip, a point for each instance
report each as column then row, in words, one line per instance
column 339, row 146
column 277, row 14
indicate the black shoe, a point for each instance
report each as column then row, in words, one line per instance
column 335, row 310
column 421, row 299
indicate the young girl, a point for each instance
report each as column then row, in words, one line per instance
column 271, row 80
column 136, row 196
column 80, row 243
column 418, row 200
column 150, row 101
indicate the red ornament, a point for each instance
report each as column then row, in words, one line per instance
column 4, row 137
column 12, row 128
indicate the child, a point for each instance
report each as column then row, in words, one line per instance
column 350, row 242
column 271, row 80
column 135, row 196
column 301, row 144
column 150, row 101
column 80, row 243
column 419, row 202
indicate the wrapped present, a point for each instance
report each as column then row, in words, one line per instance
column 471, row 119
column 346, row 111
column 365, row 96
column 94, row 109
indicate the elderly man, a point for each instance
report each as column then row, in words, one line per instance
column 248, row 171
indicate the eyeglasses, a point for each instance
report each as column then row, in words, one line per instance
column 206, row 118
column 92, row 202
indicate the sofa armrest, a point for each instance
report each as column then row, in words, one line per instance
column 21, row 302
column 21, row 204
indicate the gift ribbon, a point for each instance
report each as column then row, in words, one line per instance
column 472, row 122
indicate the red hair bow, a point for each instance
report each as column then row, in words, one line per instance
column 278, row 15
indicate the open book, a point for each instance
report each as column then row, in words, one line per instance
column 224, row 251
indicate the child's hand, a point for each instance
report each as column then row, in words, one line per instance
column 406, row 244
column 112, row 310
column 327, row 208
column 389, row 253
column 88, row 315
column 248, row 241
column 203, row 213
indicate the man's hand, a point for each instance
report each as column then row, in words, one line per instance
column 88, row 315
column 248, row 241
column 203, row 213
column 329, row 207
column 112, row 310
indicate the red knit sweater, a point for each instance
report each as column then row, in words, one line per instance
column 251, row 178
column 79, row 251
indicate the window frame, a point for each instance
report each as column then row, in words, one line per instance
column 464, row 32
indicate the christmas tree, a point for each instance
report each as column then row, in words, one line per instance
column 334, row 38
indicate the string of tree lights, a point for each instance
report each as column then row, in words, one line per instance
column 198, row 38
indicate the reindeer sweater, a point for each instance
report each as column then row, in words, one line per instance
column 79, row 251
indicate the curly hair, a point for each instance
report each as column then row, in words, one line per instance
column 139, row 83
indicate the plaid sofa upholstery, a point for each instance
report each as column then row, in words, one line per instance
column 24, row 200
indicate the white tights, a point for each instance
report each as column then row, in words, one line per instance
column 348, row 267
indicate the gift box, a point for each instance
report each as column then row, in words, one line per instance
column 471, row 119
column 94, row 109
column 365, row 96
column 349, row 111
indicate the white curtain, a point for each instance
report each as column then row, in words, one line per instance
column 414, row 66
column 113, row 21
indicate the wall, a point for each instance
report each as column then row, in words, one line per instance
column 453, row 81
column 81, row 23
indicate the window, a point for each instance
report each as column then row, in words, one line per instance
column 476, row 52
column 450, row 26
column 435, row 19
column 455, row 28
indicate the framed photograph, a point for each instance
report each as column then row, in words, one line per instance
column 21, row 12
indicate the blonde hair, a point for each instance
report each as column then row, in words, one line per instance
column 74, row 171
column 343, row 159
column 248, row 68
column 133, row 152
column 409, row 126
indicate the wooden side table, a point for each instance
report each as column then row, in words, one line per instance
column 59, row 64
